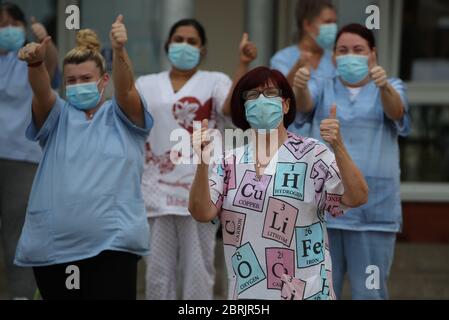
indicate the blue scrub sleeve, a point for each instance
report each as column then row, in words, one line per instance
column 41, row 135
column 129, row 124
column 403, row 126
column 316, row 85
column 279, row 63
column 285, row 59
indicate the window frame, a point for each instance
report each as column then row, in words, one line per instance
column 66, row 38
column 389, row 52
column 419, row 93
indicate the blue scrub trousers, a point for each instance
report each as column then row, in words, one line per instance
column 354, row 252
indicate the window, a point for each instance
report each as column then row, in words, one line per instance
column 44, row 11
column 425, row 153
column 425, row 45
column 142, row 20
column 424, row 64
column 413, row 45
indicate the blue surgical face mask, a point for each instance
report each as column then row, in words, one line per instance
column 264, row 113
column 326, row 37
column 184, row 56
column 84, row 96
column 11, row 38
column 352, row 68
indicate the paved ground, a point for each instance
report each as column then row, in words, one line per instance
column 419, row 272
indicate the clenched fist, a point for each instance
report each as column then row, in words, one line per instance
column 119, row 34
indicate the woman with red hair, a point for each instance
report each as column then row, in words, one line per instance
column 272, row 207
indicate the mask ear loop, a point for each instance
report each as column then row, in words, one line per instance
column 102, row 91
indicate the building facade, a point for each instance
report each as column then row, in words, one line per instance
column 412, row 44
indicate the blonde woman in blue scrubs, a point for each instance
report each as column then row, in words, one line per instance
column 316, row 21
column 18, row 156
column 86, row 211
column 373, row 113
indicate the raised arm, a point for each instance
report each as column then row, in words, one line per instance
column 123, row 76
column 51, row 56
column 304, row 103
column 356, row 188
column 247, row 54
column 44, row 98
column 303, row 61
column 391, row 100
column 200, row 203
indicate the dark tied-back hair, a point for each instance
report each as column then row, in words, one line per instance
column 187, row 23
column 14, row 11
column 360, row 30
column 261, row 76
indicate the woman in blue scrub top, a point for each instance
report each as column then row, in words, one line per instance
column 317, row 29
column 373, row 113
column 18, row 156
column 86, row 226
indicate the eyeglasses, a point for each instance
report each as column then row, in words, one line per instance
column 268, row 93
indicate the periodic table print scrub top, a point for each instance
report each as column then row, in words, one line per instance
column 274, row 228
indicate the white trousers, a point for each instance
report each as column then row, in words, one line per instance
column 180, row 246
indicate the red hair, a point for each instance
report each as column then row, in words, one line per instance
column 254, row 79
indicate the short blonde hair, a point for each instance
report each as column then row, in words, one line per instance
column 87, row 49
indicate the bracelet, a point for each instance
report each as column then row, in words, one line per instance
column 36, row 64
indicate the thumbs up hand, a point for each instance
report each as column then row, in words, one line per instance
column 201, row 141
column 248, row 50
column 330, row 128
column 38, row 30
column 303, row 65
column 379, row 75
column 34, row 52
column 119, row 34
column 302, row 78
